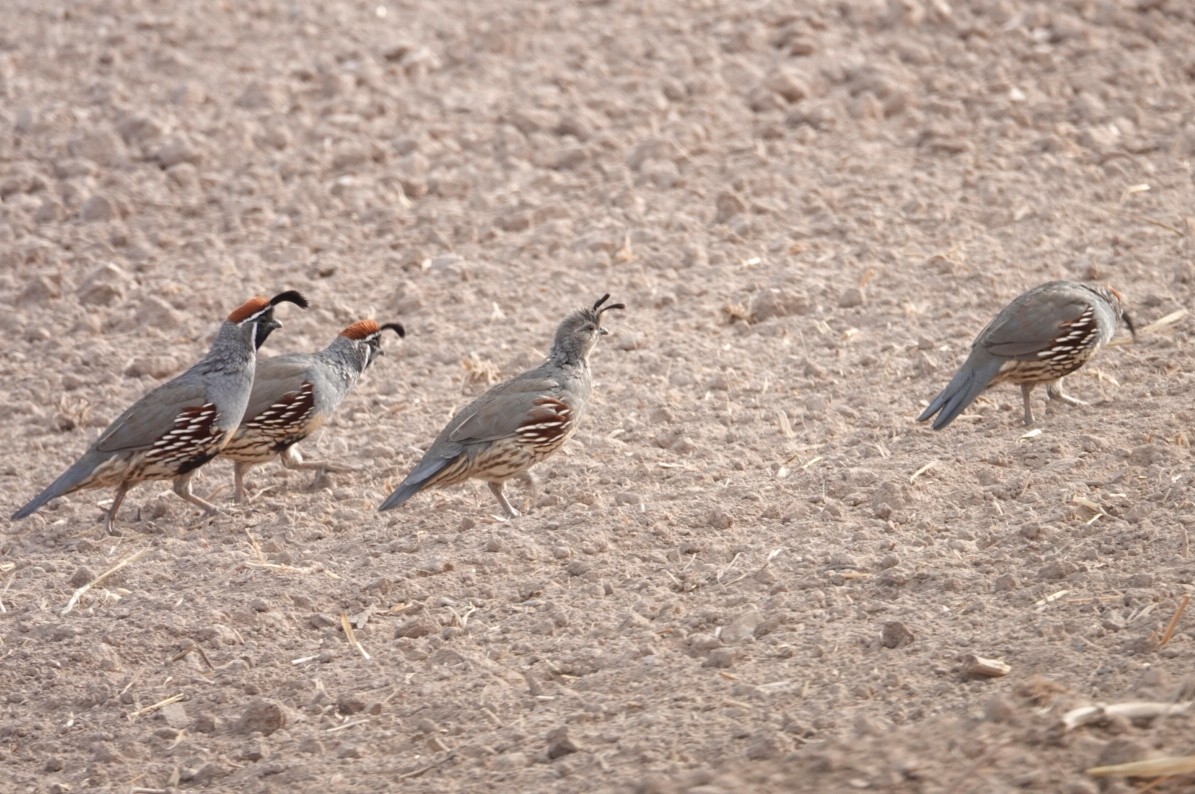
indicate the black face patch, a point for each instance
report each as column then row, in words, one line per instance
column 266, row 324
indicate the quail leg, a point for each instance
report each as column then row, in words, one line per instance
column 496, row 490
column 292, row 459
column 1054, row 392
column 239, row 471
column 529, row 483
column 1026, row 391
column 110, row 518
column 182, row 487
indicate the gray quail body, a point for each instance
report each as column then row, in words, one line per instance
column 295, row 394
column 519, row 422
column 182, row 424
column 1042, row 336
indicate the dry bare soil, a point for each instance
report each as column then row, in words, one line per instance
column 751, row 570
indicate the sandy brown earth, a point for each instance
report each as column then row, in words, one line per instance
column 751, row 570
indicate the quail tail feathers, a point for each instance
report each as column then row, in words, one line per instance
column 422, row 476
column 967, row 384
column 69, row 481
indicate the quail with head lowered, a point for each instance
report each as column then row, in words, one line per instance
column 182, row 424
column 518, row 423
column 1042, row 336
column 295, row 394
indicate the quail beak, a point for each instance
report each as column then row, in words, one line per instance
column 602, row 331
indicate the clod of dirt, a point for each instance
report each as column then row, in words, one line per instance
column 998, row 709
column 851, row 298
column 104, row 285
column 719, row 658
column 896, row 635
column 559, row 743
column 261, row 716
column 97, row 208
column 175, row 715
column 741, row 628
column 415, row 628
column 777, row 302
column 1122, row 751
column 81, row 576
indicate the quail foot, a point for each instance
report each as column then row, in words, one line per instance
column 295, row 394
column 182, row 424
column 1042, row 336
column 519, row 422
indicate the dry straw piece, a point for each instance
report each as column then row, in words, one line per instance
column 1173, row 624
column 923, row 470
column 154, row 707
column 1154, row 767
column 1132, row 710
column 132, row 558
column 347, row 625
column 985, row 668
column 1157, row 325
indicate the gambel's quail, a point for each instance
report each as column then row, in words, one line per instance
column 182, row 424
column 295, row 394
column 1043, row 335
column 518, row 423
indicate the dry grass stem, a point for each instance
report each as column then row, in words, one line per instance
column 1091, row 505
column 1163, row 322
column 257, row 552
column 480, row 371
column 923, row 470
column 985, row 668
column 625, row 253
column 196, row 648
column 1041, row 603
column 1133, row 710
column 1154, row 767
column 786, row 426
column 347, row 725
column 1157, row 325
column 132, row 558
column 347, row 625
column 154, row 707
column 1131, row 190
column 1173, row 624
column 771, row 556
column 425, row 769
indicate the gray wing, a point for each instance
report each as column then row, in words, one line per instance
column 499, row 412
column 151, row 416
column 1020, row 333
column 276, row 377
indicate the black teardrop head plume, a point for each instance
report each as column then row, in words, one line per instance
column 395, row 327
column 290, row 296
column 598, row 308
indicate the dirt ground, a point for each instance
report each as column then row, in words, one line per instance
column 751, row 570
